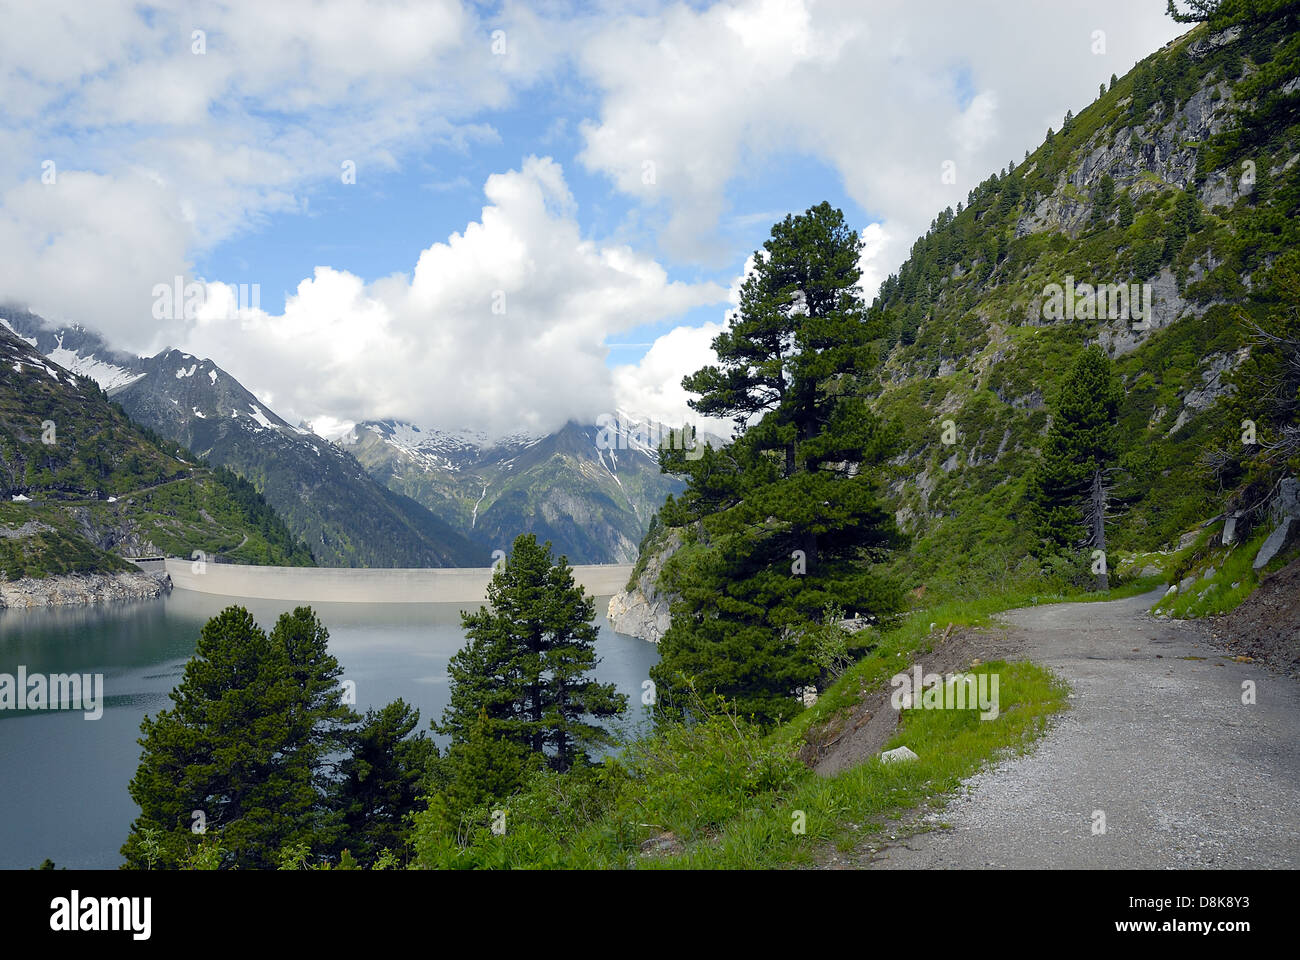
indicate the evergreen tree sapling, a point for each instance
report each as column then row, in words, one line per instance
column 524, row 672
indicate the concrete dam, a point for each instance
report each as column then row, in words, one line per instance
column 366, row 584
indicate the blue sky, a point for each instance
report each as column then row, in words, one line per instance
column 540, row 273
column 380, row 224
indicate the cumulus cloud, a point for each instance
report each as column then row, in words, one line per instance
column 500, row 328
column 232, row 111
column 164, row 152
column 885, row 93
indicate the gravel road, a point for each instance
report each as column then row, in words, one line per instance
column 1185, row 773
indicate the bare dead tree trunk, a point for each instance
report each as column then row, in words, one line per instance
column 1099, row 528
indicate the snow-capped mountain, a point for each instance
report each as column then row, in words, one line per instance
column 324, row 496
column 589, row 489
column 389, row 493
column 75, row 348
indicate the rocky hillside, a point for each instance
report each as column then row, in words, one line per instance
column 1179, row 185
column 81, row 486
column 326, row 497
column 590, row 490
column 389, row 493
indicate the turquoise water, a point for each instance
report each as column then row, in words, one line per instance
column 63, row 778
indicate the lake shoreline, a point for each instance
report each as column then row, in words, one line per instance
column 81, row 589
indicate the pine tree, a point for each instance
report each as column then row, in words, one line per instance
column 320, row 720
column 482, row 767
column 240, row 752
column 1124, row 211
column 525, row 667
column 1103, row 198
column 788, row 514
column 1067, row 487
column 383, row 780
column 1198, row 11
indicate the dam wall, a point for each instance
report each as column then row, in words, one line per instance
column 367, row 585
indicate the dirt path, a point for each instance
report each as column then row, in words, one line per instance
column 1186, row 775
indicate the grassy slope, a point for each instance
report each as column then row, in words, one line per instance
column 729, row 794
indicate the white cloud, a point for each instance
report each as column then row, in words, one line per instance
column 95, row 245
column 872, row 262
column 652, row 388
column 500, row 328
column 282, row 94
column 877, row 91
column 163, row 154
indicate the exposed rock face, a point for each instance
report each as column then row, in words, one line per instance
column 1287, row 503
column 81, row 589
column 643, row 611
column 1273, row 545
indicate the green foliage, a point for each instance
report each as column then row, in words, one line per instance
column 784, row 525
column 1080, row 446
column 1224, row 576
column 247, row 742
column 95, row 479
column 831, row 644
column 384, row 780
column 720, row 793
column 524, row 672
column 50, row 552
column 1265, row 403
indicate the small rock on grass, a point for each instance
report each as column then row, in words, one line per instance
column 897, row 754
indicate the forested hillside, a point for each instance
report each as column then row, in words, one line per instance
column 82, row 485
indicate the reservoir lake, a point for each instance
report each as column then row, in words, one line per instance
column 63, row 778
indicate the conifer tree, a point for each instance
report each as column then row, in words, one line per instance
column 1124, row 211
column 1067, row 487
column 1260, row 441
column 320, row 722
column 383, row 780
column 788, row 515
column 525, row 668
column 240, row 753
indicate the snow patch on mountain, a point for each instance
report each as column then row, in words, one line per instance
column 260, row 417
column 9, row 327
column 109, row 376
